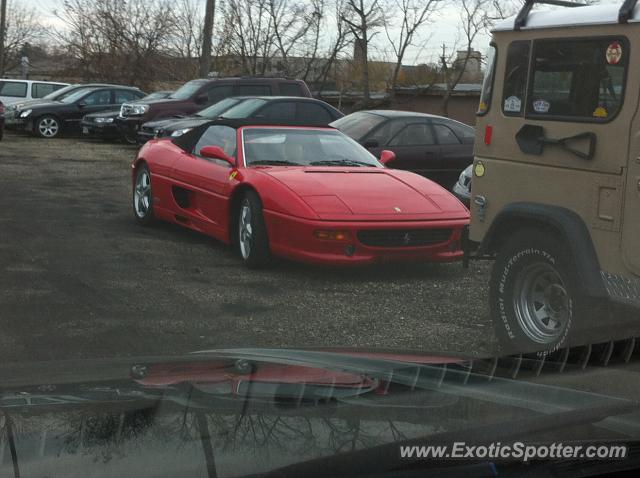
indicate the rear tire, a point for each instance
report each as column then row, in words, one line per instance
column 534, row 293
column 251, row 231
column 143, row 197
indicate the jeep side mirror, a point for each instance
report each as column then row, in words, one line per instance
column 216, row 152
column 387, row 157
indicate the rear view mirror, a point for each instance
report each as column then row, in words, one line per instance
column 387, row 157
column 216, row 152
column 371, row 143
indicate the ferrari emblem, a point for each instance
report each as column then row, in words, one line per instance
column 233, row 175
column 397, row 209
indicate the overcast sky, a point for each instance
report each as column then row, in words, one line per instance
column 443, row 30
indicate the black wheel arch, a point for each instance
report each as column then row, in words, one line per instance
column 564, row 223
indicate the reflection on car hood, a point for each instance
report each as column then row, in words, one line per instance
column 243, row 411
column 382, row 193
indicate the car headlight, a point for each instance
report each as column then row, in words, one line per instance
column 14, row 107
column 465, row 177
column 180, row 132
column 104, row 120
column 25, row 113
column 139, row 109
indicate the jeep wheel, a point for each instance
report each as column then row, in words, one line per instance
column 534, row 293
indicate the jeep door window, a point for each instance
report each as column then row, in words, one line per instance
column 515, row 79
column 578, row 79
column 14, row 89
column 487, row 84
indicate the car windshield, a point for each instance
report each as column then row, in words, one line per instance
column 244, row 109
column 75, row 95
column 219, row 108
column 300, row 147
column 61, row 93
column 187, row 90
column 358, row 124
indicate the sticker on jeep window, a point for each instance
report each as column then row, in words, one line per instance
column 541, row 106
column 614, row 53
column 513, row 104
column 600, row 112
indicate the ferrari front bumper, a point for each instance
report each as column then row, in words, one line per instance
column 366, row 242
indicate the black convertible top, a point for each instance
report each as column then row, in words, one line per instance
column 188, row 140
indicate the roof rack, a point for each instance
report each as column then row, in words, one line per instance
column 626, row 11
column 624, row 14
column 521, row 19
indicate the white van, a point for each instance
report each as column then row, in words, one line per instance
column 12, row 91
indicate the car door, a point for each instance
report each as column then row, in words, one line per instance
column 455, row 155
column 94, row 102
column 416, row 148
column 201, row 185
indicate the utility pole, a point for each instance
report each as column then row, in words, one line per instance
column 207, row 33
column 3, row 33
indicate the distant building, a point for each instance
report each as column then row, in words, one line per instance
column 472, row 68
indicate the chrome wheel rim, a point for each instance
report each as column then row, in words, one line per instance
column 142, row 194
column 245, row 229
column 541, row 302
column 48, row 127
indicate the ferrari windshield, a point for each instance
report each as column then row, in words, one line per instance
column 303, row 147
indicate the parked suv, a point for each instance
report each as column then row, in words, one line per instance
column 13, row 91
column 198, row 94
column 556, row 175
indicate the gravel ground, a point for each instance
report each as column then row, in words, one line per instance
column 81, row 280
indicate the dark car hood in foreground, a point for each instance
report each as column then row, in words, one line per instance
column 244, row 411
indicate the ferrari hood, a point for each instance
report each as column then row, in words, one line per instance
column 370, row 192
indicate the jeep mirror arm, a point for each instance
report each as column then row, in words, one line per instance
column 531, row 140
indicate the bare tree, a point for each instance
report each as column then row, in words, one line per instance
column 337, row 44
column 207, row 33
column 369, row 16
column 414, row 14
column 21, row 26
column 117, row 40
column 474, row 19
column 186, row 41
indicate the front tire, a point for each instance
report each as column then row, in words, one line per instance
column 534, row 293
column 253, row 242
column 143, row 197
column 47, row 127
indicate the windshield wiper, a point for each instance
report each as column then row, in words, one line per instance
column 338, row 162
column 273, row 162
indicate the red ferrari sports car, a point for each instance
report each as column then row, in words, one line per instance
column 305, row 193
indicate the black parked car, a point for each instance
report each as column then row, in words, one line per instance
column 52, row 118
column 286, row 108
column 102, row 125
column 436, row 147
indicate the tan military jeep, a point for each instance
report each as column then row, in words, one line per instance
column 556, row 176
